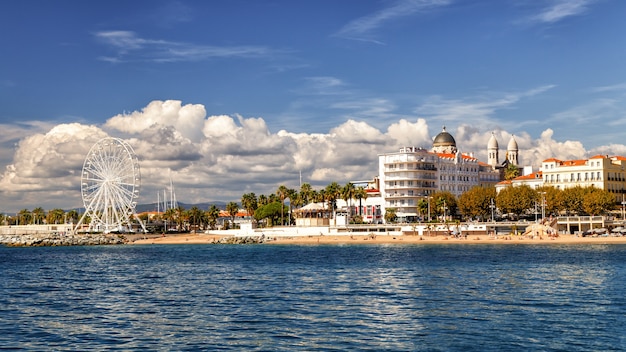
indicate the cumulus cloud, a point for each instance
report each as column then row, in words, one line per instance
column 223, row 156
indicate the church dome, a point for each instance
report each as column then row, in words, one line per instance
column 444, row 139
column 512, row 144
column 493, row 142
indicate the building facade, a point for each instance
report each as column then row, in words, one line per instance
column 412, row 174
column 600, row 171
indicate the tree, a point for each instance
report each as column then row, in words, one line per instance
column 271, row 212
column 232, row 209
column 72, row 216
column 195, row 216
column 598, row 201
column 169, row 217
column 24, row 216
column 282, row 193
column 38, row 215
column 249, row 202
column 445, row 203
column 262, row 200
column 55, row 216
column 347, row 194
column 511, row 172
column 390, row 215
column 212, row 214
column 477, row 202
column 516, row 200
column 571, row 199
column 361, row 194
column 331, row 193
column 306, row 193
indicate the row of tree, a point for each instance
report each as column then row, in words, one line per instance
column 478, row 203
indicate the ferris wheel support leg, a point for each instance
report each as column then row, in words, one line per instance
column 140, row 222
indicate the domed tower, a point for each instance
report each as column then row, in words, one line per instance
column 444, row 143
column 492, row 150
column 511, row 151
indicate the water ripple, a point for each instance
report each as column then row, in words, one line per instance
column 313, row 298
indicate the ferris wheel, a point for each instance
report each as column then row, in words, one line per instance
column 110, row 183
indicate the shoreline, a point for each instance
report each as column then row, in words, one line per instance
column 384, row 239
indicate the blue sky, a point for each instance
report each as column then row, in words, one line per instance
column 300, row 84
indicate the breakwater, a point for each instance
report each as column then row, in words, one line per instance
column 59, row 239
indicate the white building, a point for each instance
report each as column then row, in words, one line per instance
column 600, row 171
column 412, row 174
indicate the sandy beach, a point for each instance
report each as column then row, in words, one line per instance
column 389, row 239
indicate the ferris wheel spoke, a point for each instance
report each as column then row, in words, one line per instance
column 110, row 184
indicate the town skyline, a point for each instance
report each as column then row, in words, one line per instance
column 238, row 97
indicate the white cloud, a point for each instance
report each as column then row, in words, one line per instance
column 362, row 28
column 235, row 155
column 128, row 46
column 558, row 10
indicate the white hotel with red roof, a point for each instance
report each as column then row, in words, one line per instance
column 411, row 174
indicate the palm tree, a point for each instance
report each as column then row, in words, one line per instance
column 24, row 216
column 195, row 216
column 232, row 208
column 361, row 194
column 38, row 215
column 306, row 193
column 249, row 202
column 72, row 216
column 263, row 200
column 332, row 192
column 212, row 214
column 169, row 216
column 282, row 192
column 347, row 194
column 55, row 216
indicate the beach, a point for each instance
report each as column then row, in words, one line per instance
column 387, row 239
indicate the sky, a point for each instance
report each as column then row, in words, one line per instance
column 231, row 97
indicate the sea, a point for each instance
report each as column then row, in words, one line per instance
column 422, row 297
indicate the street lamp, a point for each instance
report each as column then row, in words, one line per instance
column 492, row 206
column 543, row 206
column 428, row 199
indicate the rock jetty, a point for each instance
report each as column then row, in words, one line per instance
column 56, row 239
column 240, row 240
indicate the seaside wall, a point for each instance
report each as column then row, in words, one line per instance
column 57, row 239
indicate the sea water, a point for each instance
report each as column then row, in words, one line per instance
column 314, row 298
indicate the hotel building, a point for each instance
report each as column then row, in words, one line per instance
column 600, row 171
column 412, row 174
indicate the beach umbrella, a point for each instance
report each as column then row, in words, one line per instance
column 617, row 229
column 600, row 230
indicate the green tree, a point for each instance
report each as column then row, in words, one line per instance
column 55, row 216
column 249, row 202
column 195, row 216
column 511, row 172
column 38, row 215
column 598, row 202
column 306, row 193
column 282, row 193
column 445, row 203
column 571, row 199
column 390, row 215
column 271, row 212
column 331, row 193
column 516, row 200
column 347, row 194
column 477, row 202
column 212, row 215
column 361, row 194
column 72, row 216
column 262, row 200
column 24, row 217
column 232, row 209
